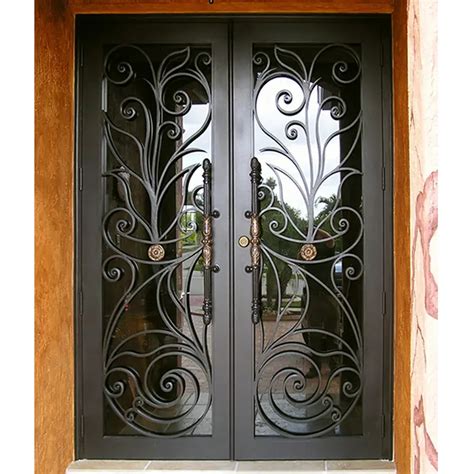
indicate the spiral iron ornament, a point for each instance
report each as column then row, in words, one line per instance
column 308, row 378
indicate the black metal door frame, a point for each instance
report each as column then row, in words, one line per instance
column 233, row 342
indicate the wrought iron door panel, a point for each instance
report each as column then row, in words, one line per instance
column 157, row 156
column 311, row 322
column 158, row 369
column 309, row 341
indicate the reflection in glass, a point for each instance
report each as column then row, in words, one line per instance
column 156, row 348
column 308, row 344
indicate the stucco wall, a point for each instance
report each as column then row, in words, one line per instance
column 422, row 66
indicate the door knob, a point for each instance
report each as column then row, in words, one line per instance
column 244, row 241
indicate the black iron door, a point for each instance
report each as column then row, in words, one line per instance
column 232, row 239
column 309, row 319
column 155, row 323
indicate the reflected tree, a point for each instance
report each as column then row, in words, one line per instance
column 322, row 217
column 284, row 271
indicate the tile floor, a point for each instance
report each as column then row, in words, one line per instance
column 247, row 467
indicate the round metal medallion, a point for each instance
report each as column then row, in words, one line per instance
column 308, row 252
column 156, row 252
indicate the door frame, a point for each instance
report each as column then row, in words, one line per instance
column 92, row 33
column 55, row 202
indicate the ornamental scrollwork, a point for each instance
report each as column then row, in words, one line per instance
column 308, row 371
column 156, row 360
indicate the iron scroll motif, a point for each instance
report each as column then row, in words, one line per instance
column 255, row 251
column 156, row 355
column 316, row 326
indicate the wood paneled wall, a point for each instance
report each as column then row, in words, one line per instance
column 54, row 204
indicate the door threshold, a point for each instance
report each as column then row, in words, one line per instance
column 247, row 467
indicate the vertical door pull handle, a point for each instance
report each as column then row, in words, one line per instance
column 207, row 244
column 255, row 233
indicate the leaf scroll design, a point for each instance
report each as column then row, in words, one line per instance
column 156, row 360
column 290, row 399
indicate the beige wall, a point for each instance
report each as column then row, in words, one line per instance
column 422, row 67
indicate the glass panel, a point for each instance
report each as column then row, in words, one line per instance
column 308, row 343
column 156, row 135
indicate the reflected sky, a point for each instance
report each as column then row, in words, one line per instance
column 275, row 122
column 192, row 122
column 303, row 148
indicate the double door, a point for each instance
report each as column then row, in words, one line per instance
column 233, row 254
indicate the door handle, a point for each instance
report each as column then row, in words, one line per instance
column 207, row 243
column 255, row 233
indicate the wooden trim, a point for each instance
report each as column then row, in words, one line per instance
column 54, row 204
column 231, row 6
column 401, row 239
column 54, row 232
